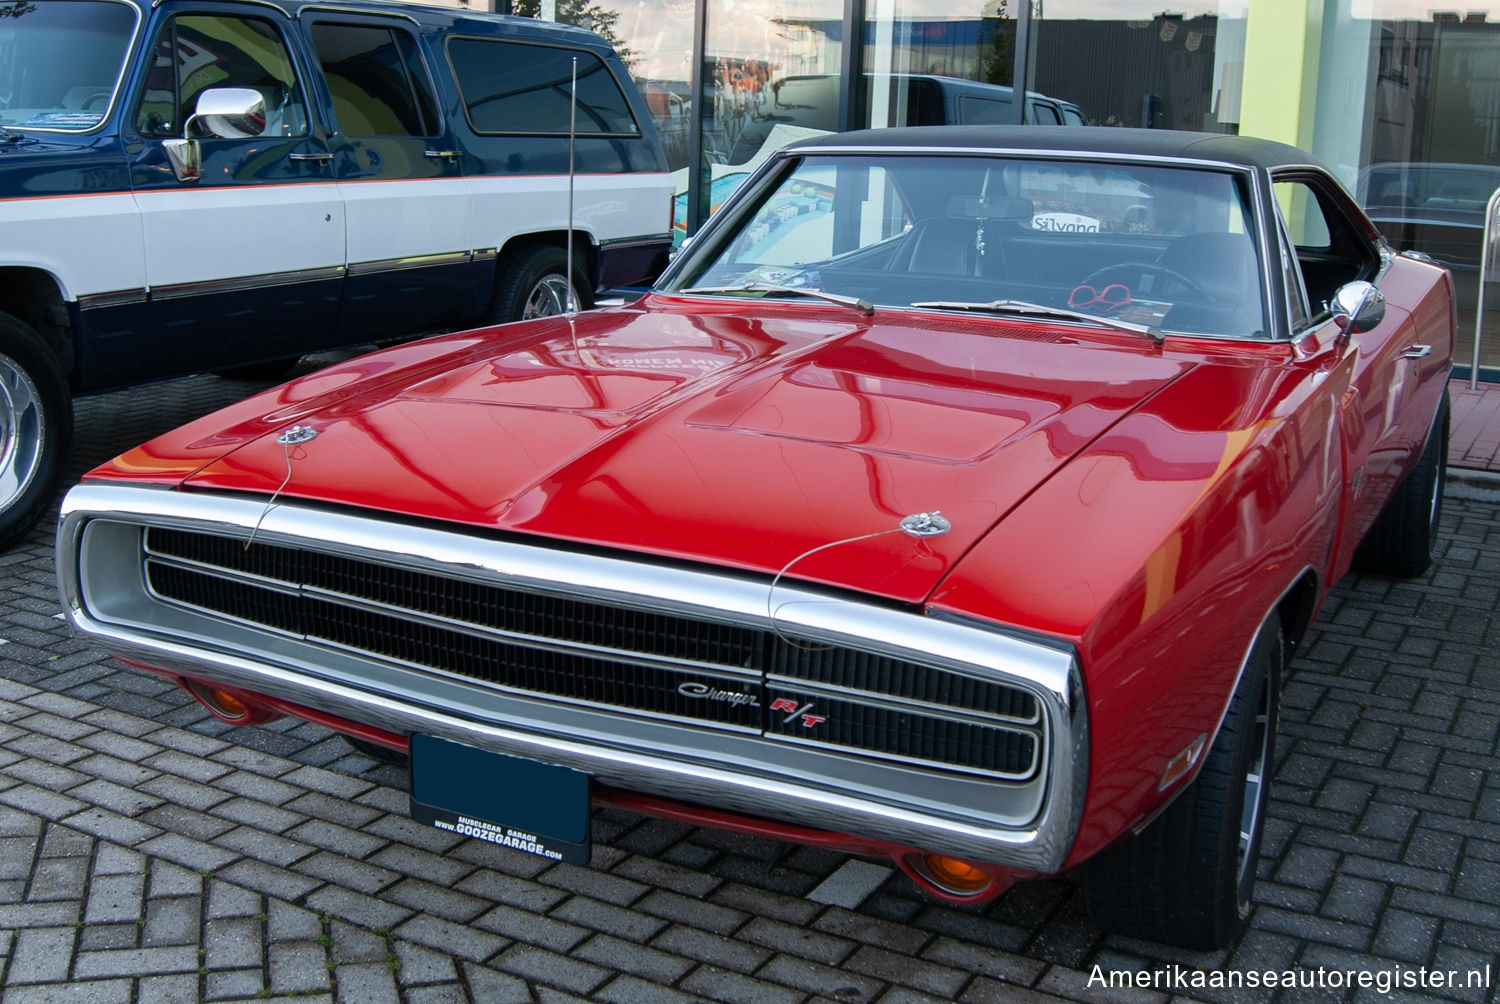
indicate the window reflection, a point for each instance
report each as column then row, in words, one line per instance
column 1130, row 64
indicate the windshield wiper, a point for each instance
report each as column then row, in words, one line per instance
column 857, row 302
column 1028, row 309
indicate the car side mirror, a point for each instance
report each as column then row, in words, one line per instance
column 223, row 113
column 1357, row 306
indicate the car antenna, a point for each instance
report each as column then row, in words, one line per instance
column 570, row 307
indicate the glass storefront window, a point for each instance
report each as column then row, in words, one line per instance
column 1409, row 114
column 765, row 63
column 938, row 62
column 1129, row 64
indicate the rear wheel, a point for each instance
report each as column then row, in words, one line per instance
column 1186, row 879
column 36, row 426
column 534, row 283
column 1404, row 535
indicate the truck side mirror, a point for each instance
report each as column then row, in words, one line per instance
column 221, row 112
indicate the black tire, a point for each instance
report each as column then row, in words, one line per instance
column 1187, row 878
column 1401, row 541
column 533, row 283
column 36, row 427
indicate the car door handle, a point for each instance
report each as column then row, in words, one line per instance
column 442, row 153
column 311, row 156
column 1417, row 352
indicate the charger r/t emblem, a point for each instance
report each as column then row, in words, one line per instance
column 795, row 710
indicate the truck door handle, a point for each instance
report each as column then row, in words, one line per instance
column 1416, row 352
column 311, row 156
column 442, row 153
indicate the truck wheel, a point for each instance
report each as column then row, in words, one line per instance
column 36, row 426
column 1186, row 878
column 534, row 283
column 1403, row 537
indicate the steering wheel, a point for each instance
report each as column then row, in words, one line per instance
column 1130, row 273
column 102, row 97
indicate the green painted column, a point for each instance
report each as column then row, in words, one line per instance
column 1279, row 92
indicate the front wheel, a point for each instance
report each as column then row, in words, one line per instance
column 534, row 283
column 36, row 426
column 1186, row 879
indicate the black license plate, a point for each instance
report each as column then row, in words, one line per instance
column 506, row 800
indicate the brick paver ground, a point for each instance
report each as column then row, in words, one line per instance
column 1475, row 435
column 149, row 853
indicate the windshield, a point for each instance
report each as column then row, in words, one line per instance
column 1166, row 247
column 60, row 62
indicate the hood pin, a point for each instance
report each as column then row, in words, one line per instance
column 926, row 524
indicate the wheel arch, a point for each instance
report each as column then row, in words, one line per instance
column 35, row 296
column 585, row 249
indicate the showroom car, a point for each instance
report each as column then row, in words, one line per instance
column 956, row 497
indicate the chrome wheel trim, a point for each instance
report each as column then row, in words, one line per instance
column 549, row 296
column 1253, row 805
column 23, row 429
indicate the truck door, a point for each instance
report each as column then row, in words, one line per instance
column 398, row 164
column 245, row 262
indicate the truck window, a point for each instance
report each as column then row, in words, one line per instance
column 194, row 52
column 376, row 79
column 983, row 111
column 60, row 62
column 1044, row 113
column 511, row 87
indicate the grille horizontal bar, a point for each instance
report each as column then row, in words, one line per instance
column 577, row 649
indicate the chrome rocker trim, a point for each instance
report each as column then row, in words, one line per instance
column 94, row 576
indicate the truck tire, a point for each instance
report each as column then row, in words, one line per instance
column 36, row 426
column 533, row 282
column 1186, row 879
column 1401, row 541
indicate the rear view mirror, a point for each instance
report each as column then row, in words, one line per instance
column 973, row 207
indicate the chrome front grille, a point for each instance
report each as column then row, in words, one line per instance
column 612, row 655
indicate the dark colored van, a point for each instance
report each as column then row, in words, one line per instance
column 812, row 101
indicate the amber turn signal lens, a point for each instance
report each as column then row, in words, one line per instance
column 221, row 702
column 956, row 876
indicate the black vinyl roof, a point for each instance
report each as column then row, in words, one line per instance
column 1165, row 143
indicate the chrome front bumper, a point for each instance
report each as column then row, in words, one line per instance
column 1027, row 824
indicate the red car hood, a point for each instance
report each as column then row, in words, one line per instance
column 716, row 437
